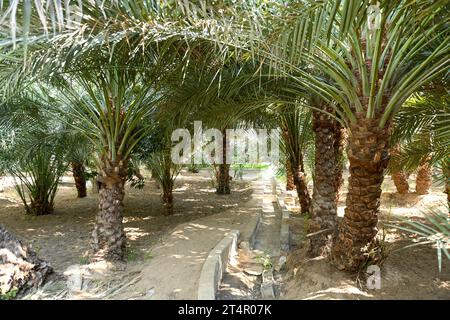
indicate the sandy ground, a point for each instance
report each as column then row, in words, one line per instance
column 410, row 273
column 166, row 254
column 63, row 237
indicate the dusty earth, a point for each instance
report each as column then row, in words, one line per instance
column 410, row 273
column 161, row 249
column 63, row 237
column 165, row 254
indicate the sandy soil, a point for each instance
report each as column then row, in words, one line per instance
column 165, row 254
column 410, row 273
column 63, row 237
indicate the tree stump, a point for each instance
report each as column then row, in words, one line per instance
column 20, row 268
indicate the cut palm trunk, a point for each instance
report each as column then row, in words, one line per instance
column 327, row 181
column 423, row 178
column 108, row 236
column 79, row 177
column 368, row 156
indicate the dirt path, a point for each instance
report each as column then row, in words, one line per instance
column 174, row 269
column 63, row 237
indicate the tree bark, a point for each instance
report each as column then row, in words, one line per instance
column 108, row 237
column 400, row 179
column 301, row 185
column 79, row 178
column 327, row 181
column 423, row 178
column 399, row 176
column 446, row 173
column 167, row 186
column 289, row 176
column 168, row 201
column 223, row 179
column 368, row 155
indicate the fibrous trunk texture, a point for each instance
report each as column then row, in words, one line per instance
column 168, row 201
column 327, row 181
column 399, row 176
column 368, row 155
column 223, row 176
column 400, row 179
column 423, row 178
column 20, row 268
column 301, row 186
column 289, row 177
column 167, row 186
column 79, row 178
column 446, row 172
column 108, row 237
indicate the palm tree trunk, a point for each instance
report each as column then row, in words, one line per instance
column 39, row 207
column 108, row 236
column 339, row 147
column 368, row 155
column 289, row 176
column 446, row 173
column 301, row 185
column 399, row 176
column 327, row 181
column 168, row 200
column 423, row 178
column 79, row 178
column 223, row 179
column 167, row 186
column 400, row 179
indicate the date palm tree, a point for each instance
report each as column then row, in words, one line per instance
column 421, row 133
column 372, row 58
column 106, row 67
column 329, row 140
column 295, row 124
column 109, row 113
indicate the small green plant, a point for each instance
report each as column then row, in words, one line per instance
column 37, row 176
column 11, row 294
column 148, row 256
column 265, row 259
column 37, row 248
column 437, row 232
column 380, row 250
column 84, row 260
column 131, row 255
